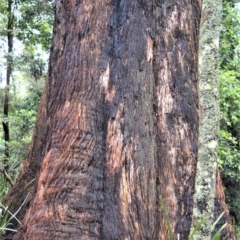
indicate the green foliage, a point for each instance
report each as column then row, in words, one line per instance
column 194, row 231
column 237, row 230
column 229, row 45
column 32, row 24
column 5, row 217
column 3, row 17
column 35, row 22
column 229, row 144
column 217, row 235
column 22, row 116
column 31, row 63
column 229, row 151
column 3, row 187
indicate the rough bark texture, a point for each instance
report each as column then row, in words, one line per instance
column 220, row 207
column 176, row 99
column 117, row 125
column 209, row 117
column 209, row 197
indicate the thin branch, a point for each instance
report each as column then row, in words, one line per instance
column 7, row 177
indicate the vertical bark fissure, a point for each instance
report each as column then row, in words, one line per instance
column 130, row 154
column 176, row 107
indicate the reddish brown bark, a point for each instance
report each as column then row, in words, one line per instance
column 176, row 107
column 220, row 207
column 117, row 124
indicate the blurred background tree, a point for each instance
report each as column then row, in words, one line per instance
column 30, row 28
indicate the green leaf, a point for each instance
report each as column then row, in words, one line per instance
column 198, row 226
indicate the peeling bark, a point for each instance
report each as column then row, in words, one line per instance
column 117, row 124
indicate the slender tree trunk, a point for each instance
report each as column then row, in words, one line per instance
column 207, row 174
column 5, row 123
column 209, row 117
column 117, row 125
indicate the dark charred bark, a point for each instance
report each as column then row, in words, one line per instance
column 177, row 106
column 117, row 124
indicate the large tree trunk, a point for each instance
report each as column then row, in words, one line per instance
column 117, row 125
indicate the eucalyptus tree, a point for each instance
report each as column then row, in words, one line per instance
column 117, row 124
column 209, row 115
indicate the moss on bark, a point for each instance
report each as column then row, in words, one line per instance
column 205, row 182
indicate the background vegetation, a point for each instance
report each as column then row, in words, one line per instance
column 229, row 145
column 32, row 30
